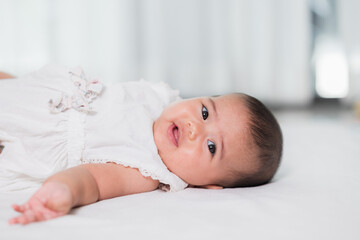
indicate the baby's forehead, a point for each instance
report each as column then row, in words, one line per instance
column 236, row 98
column 232, row 106
column 234, row 127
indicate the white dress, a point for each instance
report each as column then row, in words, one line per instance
column 55, row 118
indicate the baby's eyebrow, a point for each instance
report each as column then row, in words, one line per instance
column 222, row 148
column 213, row 106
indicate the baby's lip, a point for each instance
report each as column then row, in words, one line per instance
column 173, row 133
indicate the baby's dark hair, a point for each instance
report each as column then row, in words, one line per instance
column 267, row 141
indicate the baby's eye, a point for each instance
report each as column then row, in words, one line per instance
column 212, row 147
column 204, row 112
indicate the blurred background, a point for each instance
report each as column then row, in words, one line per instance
column 284, row 52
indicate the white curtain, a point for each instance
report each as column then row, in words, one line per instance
column 201, row 47
column 349, row 34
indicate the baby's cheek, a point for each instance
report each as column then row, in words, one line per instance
column 191, row 154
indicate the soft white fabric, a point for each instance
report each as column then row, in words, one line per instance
column 56, row 118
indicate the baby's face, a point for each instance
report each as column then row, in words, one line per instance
column 201, row 139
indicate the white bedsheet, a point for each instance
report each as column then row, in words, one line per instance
column 315, row 195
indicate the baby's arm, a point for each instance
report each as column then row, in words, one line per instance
column 79, row 186
column 5, row 75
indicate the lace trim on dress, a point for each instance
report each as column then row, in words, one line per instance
column 86, row 91
column 166, row 183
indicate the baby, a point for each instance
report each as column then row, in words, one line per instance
column 208, row 142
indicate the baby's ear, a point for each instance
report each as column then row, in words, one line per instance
column 211, row 186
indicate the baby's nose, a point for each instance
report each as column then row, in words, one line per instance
column 193, row 130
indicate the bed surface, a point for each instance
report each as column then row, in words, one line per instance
column 315, row 195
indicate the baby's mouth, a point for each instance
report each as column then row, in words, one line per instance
column 173, row 133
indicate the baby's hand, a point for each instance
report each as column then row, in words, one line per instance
column 52, row 200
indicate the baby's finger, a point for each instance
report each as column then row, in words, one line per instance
column 18, row 208
column 27, row 217
column 18, row 220
column 14, row 220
